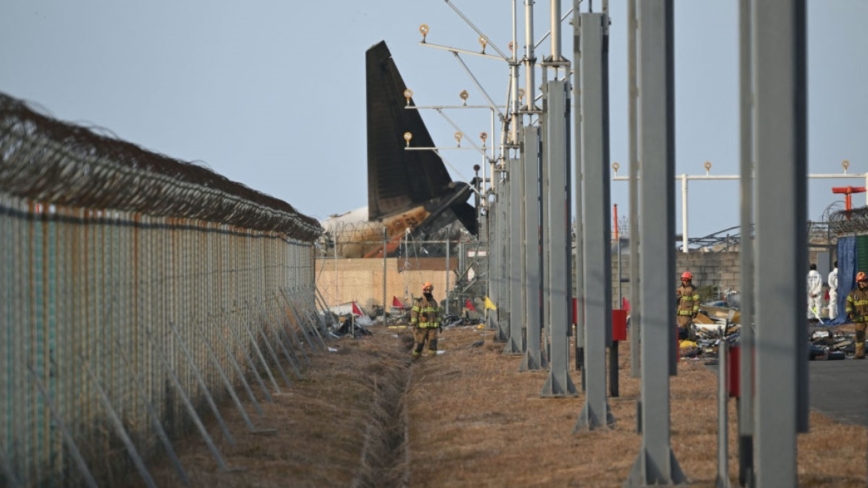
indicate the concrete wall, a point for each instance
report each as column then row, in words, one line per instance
column 719, row 269
column 361, row 280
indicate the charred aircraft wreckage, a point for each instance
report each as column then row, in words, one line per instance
column 409, row 192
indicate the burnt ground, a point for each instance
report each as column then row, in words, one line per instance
column 366, row 415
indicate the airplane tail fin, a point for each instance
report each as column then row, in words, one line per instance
column 399, row 179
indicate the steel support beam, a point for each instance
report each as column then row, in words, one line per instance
column 633, row 94
column 597, row 226
column 545, row 237
column 503, row 317
column 497, row 253
column 579, row 256
column 515, row 343
column 531, row 275
column 656, row 463
column 557, row 115
column 746, row 251
column 780, row 136
column 494, row 260
column 722, row 479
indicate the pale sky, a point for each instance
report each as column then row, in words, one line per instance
column 272, row 93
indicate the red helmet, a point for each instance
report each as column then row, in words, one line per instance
column 427, row 286
column 861, row 276
column 687, row 275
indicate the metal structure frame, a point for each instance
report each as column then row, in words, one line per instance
column 597, row 225
column 773, row 131
column 557, row 191
column 656, row 463
column 516, row 300
column 780, row 137
column 532, row 272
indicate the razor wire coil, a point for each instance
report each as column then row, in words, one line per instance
column 53, row 162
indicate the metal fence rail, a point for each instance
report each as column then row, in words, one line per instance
column 135, row 292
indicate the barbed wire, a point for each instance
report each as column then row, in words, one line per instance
column 54, row 162
column 853, row 221
column 351, row 230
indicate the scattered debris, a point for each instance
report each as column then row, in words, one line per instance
column 832, row 343
column 455, row 320
column 721, row 320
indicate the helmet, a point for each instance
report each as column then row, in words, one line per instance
column 861, row 276
column 427, row 286
column 687, row 275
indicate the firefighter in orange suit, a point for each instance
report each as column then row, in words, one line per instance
column 425, row 319
column 688, row 304
column 857, row 311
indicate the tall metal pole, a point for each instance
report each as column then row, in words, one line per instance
column 656, row 463
column 446, row 289
column 385, row 262
column 556, row 31
column 598, row 228
column 579, row 290
column 505, row 291
column 684, row 233
column 494, row 251
column 722, row 480
column 746, row 251
column 529, row 59
column 557, row 165
column 533, row 359
column 514, row 102
column 633, row 93
column 336, row 299
column 518, row 256
column 780, row 136
column 530, row 108
column 515, row 300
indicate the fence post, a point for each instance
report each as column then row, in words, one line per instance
column 385, row 268
column 446, row 290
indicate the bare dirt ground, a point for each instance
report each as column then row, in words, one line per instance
column 368, row 416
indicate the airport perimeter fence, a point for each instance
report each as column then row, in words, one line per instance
column 391, row 284
column 136, row 293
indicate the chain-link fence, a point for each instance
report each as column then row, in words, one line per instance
column 136, row 292
column 457, row 270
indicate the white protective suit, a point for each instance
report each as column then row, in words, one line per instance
column 815, row 287
column 833, row 294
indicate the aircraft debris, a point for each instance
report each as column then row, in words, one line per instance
column 721, row 320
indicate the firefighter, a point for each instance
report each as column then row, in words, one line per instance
column 425, row 319
column 688, row 305
column 857, row 311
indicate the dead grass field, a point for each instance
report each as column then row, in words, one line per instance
column 366, row 416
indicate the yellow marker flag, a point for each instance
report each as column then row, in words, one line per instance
column 489, row 304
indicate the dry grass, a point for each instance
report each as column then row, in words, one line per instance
column 475, row 421
column 323, row 425
column 495, row 430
